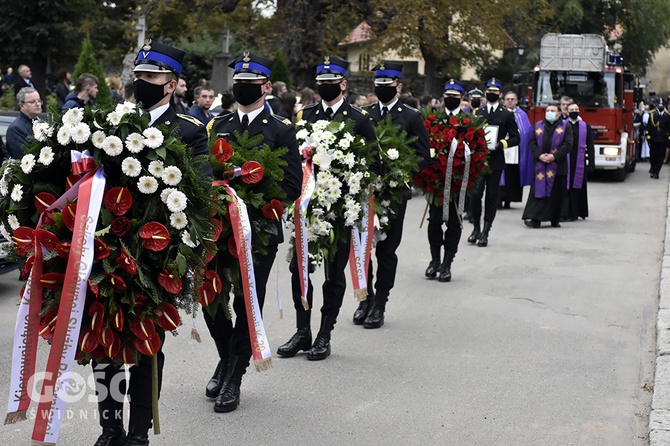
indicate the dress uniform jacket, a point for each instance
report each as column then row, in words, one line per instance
column 658, row 127
column 508, row 132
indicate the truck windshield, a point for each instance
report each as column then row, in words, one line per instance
column 586, row 89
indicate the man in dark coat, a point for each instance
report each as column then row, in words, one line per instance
column 658, row 136
column 157, row 68
column 581, row 161
column 500, row 118
column 20, row 131
column 370, row 312
column 331, row 84
column 550, row 145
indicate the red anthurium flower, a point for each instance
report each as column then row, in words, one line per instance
column 148, row 347
column 63, row 250
column 222, row 150
column 126, row 356
column 117, row 281
column 25, row 271
column 94, row 289
column 143, row 329
column 88, row 341
column 217, row 228
column 212, row 276
column 107, row 336
column 126, row 262
column 48, row 240
column 273, row 210
column 43, row 200
column 69, row 213
column 113, row 349
column 118, row 200
column 97, row 313
column 140, row 302
column 71, row 181
column 101, row 249
column 168, row 316
column 48, row 324
column 24, row 240
column 117, row 319
column 232, row 247
column 155, row 236
column 207, row 293
column 171, row 282
column 252, row 172
column 52, row 281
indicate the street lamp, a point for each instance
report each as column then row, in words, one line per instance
column 520, row 49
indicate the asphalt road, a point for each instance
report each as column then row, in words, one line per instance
column 546, row 337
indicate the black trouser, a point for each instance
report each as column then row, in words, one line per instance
column 492, row 184
column 656, row 156
column 237, row 336
column 333, row 287
column 451, row 236
column 110, row 388
column 387, row 260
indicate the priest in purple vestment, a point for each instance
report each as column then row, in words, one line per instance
column 518, row 159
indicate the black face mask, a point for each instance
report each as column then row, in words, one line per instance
column 328, row 92
column 492, row 97
column 660, row 108
column 247, row 94
column 476, row 103
column 573, row 115
column 385, row 93
column 148, row 94
column 452, row 103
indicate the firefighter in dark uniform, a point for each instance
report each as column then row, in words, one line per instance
column 331, row 84
column 251, row 86
column 157, row 69
column 451, row 236
column 370, row 312
column 508, row 136
column 658, row 137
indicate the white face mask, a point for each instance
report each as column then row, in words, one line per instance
column 551, row 116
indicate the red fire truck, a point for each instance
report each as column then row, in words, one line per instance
column 581, row 67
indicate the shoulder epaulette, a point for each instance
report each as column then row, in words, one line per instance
column 310, row 105
column 190, row 119
column 359, row 110
column 282, row 119
column 409, row 107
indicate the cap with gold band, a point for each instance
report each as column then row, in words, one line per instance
column 387, row 72
column 331, row 68
column 453, row 88
column 156, row 57
column 249, row 66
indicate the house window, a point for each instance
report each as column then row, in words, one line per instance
column 364, row 62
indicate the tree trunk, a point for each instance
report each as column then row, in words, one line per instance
column 38, row 67
column 433, row 83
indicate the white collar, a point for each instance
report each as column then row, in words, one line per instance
column 252, row 114
column 388, row 106
column 336, row 106
column 157, row 112
column 454, row 112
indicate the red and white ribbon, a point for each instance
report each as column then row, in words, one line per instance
column 448, row 177
column 239, row 218
column 300, row 222
column 361, row 249
column 54, row 396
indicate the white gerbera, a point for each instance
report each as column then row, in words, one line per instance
column 98, row 139
column 154, row 138
column 166, row 193
column 80, row 133
column 73, row 116
column 64, row 134
column 178, row 220
column 156, row 168
column 135, row 143
column 41, row 131
column 186, row 239
column 114, row 118
column 4, row 232
column 126, row 107
column 46, row 155
column 393, row 154
column 171, row 175
column 27, row 163
column 13, row 222
column 147, row 184
column 131, row 167
column 176, row 201
column 17, row 192
column 112, row 145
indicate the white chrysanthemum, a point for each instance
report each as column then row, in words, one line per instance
column 80, row 133
column 154, row 138
column 322, row 160
column 98, row 139
column 131, row 167
column 302, row 134
column 4, row 232
column 186, row 239
column 349, row 160
column 147, row 184
column 393, row 184
column 171, row 175
column 41, row 131
column 126, row 107
column 64, row 134
column 344, row 143
column 386, row 203
column 27, row 163
column 393, row 154
column 176, row 201
column 320, row 125
column 135, row 143
column 4, row 187
column 165, row 193
column 300, row 123
column 114, row 118
column 178, row 220
column 112, row 145
column 13, row 222
column 156, row 168
column 46, row 155
column 73, row 116
column 17, row 192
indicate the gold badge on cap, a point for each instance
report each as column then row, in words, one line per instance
column 381, row 66
column 493, row 80
column 246, row 57
column 326, row 60
column 147, row 45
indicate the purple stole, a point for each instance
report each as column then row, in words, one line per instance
column 581, row 156
column 545, row 173
column 525, row 157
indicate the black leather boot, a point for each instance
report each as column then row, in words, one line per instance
column 301, row 340
column 229, row 397
column 362, row 311
column 445, row 268
column 484, row 236
column 111, row 436
column 216, row 381
column 476, row 231
column 434, row 265
column 321, row 348
column 375, row 319
column 138, row 426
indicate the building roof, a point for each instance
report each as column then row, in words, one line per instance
column 362, row 33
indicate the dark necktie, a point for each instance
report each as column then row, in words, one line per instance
column 385, row 111
column 329, row 114
column 245, row 122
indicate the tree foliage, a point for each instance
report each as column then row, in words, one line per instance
column 89, row 62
